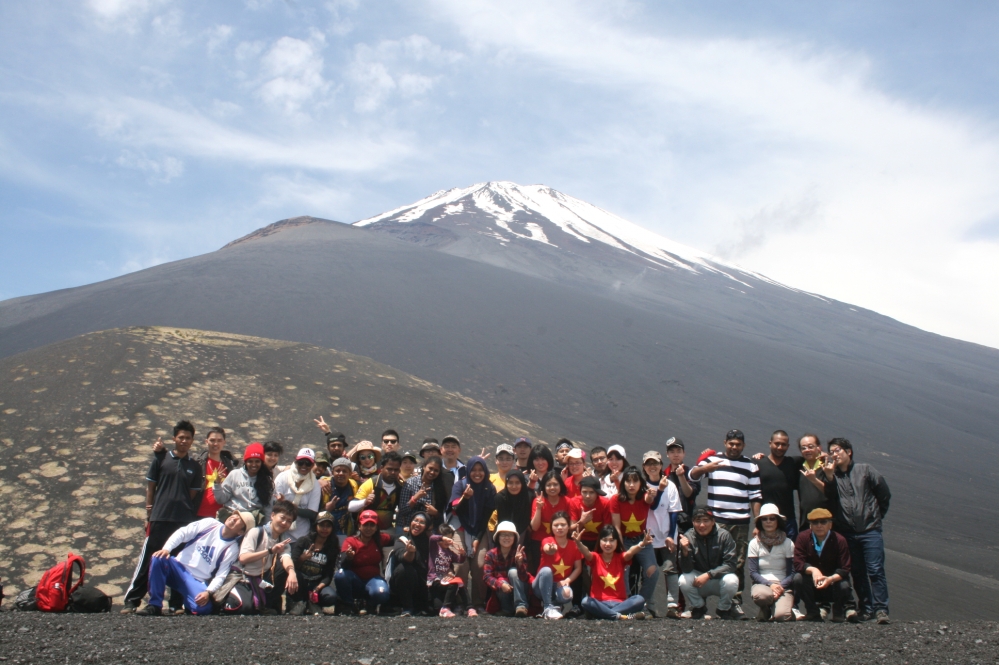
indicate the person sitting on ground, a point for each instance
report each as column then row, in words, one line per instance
column 446, row 588
column 574, row 472
column 771, row 566
column 366, row 456
column 380, row 493
column 663, row 517
column 299, row 485
column 561, row 565
column 616, row 464
column 552, row 501
column 265, row 559
column 504, row 465
column 428, row 492
column 272, row 455
column 822, row 569
column 408, row 582
column 707, row 561
column 208, row 548
column 409, row 466
column 360, row 585
column 504, row 571
column 249, row 487
column 630, row 512
column 342, row 491
column 315, row 558
column 473, row 500
column 541, row 462
column 608, row 597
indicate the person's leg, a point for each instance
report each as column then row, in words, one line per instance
column 690, row 592
column 562, row 595
column 858, row 570
column 791, row 527
column 519, row 588
column 346, row 582
column 188, row 588
column 783, row 607
column 873, row 545
column 763, row 596
column 542, row 586
column 156, row 580
column 740, row 532
column 672, row 575
column 841, row 596
column 327, row 597
column 533, row 549
column 598, row 609
column 505, row 600
column 437, row 594
column 477, row 559
column 804, row 589
column 631, row 605
column 450, row 596
column 403, row 583
column 650, row 577
column 159, row 532
column 377, row 590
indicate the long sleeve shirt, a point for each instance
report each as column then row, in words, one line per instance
column 834, row 558
column 206, row 554
column 713, row 554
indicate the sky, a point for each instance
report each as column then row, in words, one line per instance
column 851, row 150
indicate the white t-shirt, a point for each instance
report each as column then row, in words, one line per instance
column 658, row 522
column 773, row 563
column 208, row 555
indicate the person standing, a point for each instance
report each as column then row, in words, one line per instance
column 522, row 448
column 779, row 476
column 390, row 442
column 249, row 487
column 860, row 497
column 811, row 486
column 734, row 498
column 428, row 492
column 505, row 458
column 450, row 449
column 173, row 484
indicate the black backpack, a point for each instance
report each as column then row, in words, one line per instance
column 89, row 600
column 25, row 601
column 239, row 600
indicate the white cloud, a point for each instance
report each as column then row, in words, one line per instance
column 125, row 15
column 294, row 72
column 390, row 66
column 158, row 170
column 218, row 36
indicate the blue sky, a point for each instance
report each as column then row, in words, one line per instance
column 850, row 149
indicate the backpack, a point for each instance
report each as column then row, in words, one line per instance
column 25, row 601
column 56, row 586
column 89, row 600
column 239, row 600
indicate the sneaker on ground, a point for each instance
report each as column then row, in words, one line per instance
column 737, row 612
column 672, row 613
column 697, row 613
column 838, row 618
column 552, row 613
column 798, row 614
column 521, row 611
column 129, row 609
column 405, row 614
column 638, row 616
column 824, row 613
column 472, row 612
column 445, row 613
column 330, row 610
column 727, row 615
column 852, row 616
column 882, row 617
column 765, row 613
column 150, row 611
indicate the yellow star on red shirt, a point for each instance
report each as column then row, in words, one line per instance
column 560, row 568
column 632, row 525
column 593, row 526
column 610, row 580
column 548, row 527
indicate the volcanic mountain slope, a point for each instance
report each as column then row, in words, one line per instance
column 77, row 420
column 629, row 342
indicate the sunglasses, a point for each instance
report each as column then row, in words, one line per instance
column 366, row 456
column 820, row 522
column 303, row 462
column 769, row 519
column 390, row 440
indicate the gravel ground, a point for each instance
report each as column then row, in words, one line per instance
column 41, row 638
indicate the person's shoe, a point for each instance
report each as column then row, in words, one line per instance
column 882, row 618
column 852, row 616
column 269, row 612
column 727, row 615
column 824, row 613
column 638, row 616
column 765, row 614
column 797, row 614
column 521, row 611
column 329, row 610
column 697, row 613
column 672, row 613
column 814, row 617
column 472, row 613
column 574, row 613
column 297, row 609
column 737, row 612
column 130, row 608
column 150, row 611
column 625, row 617
column 445, row 613
column 864, row 617
column 838, row 618
column 405, row 614
column 552, row 613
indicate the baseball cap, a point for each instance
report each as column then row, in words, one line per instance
column 701, row 512
column 322, row 457
column 306, row 453
column 652, row 454
column 575, row 453
column 449, row 438
column 325, row 517
column 368, row 516
column 735, row 434
column 336, row 436
column 617, row 449
column 504, row 448
column 430, row 445
column 410, row 455
column 674, row 442
column 593, row 484
column 523, row 441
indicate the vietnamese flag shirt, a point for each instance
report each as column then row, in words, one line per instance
column 563, row 561
column 633, row 516
column 601, row 516
column 608, row 580
column 547, row 511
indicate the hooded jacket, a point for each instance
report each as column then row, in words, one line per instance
column 859, row 497
column 713, row 554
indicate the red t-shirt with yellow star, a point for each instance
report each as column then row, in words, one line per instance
column 547, row 512
column 601, row 516
column 633, row 516
column 209, row 506
column 562, row 561
column 608, row 579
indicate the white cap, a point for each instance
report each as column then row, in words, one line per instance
column 576, row 453
column 617, row 449
column 504, row 448
column 306, row 453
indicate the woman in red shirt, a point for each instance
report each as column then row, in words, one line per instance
column 551, row 501
column 561, row 564
column 630, row 511
column 608, row 597
column 360, row 577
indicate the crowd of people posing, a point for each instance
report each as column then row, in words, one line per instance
column 376, row 530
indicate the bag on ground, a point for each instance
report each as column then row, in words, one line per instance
column 25, row 601
column 56, row 586
column 89, row 600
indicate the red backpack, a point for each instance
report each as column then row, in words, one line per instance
column 56, row 585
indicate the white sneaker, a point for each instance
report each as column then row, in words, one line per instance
column 552, row 613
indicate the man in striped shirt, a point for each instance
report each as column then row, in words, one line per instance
column 734, row 497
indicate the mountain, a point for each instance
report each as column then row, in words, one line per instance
column 79, row 417
column 600, row 333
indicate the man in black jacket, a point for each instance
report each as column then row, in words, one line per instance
column 708, row 560
column 859, row 497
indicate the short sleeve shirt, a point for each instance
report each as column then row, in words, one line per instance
column 547, row 512
column 563, row 561
column 608, row 580
column 175, row 479
column 367, row 561
column 633, row 516
column 601, row 517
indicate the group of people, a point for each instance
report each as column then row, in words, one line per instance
column 373, row 529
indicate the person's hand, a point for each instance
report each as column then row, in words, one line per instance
column 647, row 540
column 325, row 484
column 277, row 548
column 475, row 545
column 817, row 577
column 433, row 512
column 158, row 447
column 663, row 482
column 349, row 552
column 823, row 583
column 756, row 532
column 588, row 471
column 670, row 545
column 577, row 535
column 291, row 586
column 565, row 582
column 422, row 492
column 652, row 490
column 314, row 597
column 321, row 424
column 279, row 497
column 485, row 453
column 540, row 501
column 410, row 547
column 587, row 516
column 808, row 473
column 161, row 554
column 550, row 548
column 685, row 544
column 681, row 469
column 533, row 478
column 519, row 557
column 370, row 499
column 355, row 476
column 757, row 456
column 711, row 466
column 505, row 587
column 307, row 554
column 777, row 589
column 701, row 580
column 446, row 542
column 468, row 493
column 202, row 598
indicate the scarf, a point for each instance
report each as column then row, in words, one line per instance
column 422, row 541
column 308, row 480
column 515, row 508
column 474, row 513
column 773, row 541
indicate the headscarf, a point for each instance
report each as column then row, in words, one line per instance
column 422, row 541
column 308, row 480
column 515, row 508
column 474, row 513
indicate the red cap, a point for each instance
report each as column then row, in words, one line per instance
column 706, row 454
column 368, row 516
column 254, row 451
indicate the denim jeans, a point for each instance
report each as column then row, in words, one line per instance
column 646, row 558
column 603, row 609
column 867, row 557
column 725, row 588
column 550, row 594
column 350, row 587
column 791, row 527
column 509, row 601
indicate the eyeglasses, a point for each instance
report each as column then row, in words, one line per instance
column 366, row 456
column 769, row 518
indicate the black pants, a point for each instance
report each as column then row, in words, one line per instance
column 409, row 586
column 450, row 596
column 159, row 533
column 839, row 594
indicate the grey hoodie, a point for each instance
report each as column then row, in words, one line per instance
column 237, row 492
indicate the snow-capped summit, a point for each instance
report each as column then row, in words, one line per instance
column 506, row 212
